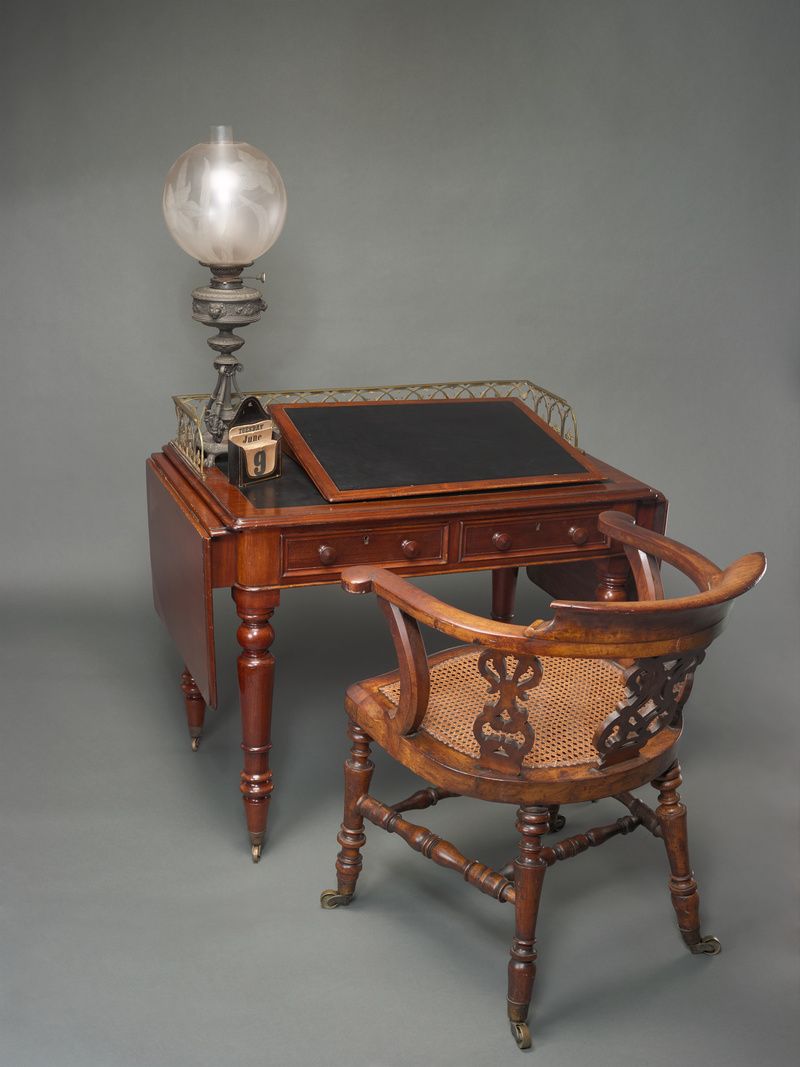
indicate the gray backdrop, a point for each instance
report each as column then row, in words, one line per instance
column 600, row 196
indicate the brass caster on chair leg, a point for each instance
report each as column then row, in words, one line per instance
column 195, row 744
column 707, row 946
column 255, row 852
column 522, row 1033
column 332, row 898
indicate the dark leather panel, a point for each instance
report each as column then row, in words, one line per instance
column 383, row 446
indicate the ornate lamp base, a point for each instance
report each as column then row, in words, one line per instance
column 226, row 303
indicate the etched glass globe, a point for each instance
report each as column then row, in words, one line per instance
column 224, row 201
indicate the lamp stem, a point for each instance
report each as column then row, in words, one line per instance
column 224, row 304
column 219, row 410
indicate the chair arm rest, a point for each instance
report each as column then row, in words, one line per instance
column 465, row 627
column 622, row 528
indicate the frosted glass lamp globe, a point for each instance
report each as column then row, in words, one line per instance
column 224, row 201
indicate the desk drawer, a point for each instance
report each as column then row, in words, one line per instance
column 305, row 554
column 524, row 535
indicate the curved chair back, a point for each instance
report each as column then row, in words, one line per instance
column 652, row 624
column 660, row 642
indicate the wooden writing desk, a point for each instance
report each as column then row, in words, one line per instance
column 207, row 534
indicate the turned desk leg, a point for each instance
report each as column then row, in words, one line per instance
column 612, row 579
column 504, row 591
column 256, row 669
column 195, row 708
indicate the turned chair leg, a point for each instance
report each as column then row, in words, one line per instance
column 671, row 814
column 195, row 708
column 357, row 775
column 529, row 868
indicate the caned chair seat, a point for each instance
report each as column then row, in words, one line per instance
column 565, row 709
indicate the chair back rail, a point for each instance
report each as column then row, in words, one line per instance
column 650, row 627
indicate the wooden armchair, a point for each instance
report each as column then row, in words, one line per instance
column 585, row 705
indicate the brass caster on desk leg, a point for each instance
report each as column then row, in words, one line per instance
column 332, row 898
column 195, row 744
column 521, row 1033
column 255, row 852
column 707, row 946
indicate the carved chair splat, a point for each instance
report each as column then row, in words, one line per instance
column 585, row 705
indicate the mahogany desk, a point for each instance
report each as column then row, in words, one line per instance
column 205, row 534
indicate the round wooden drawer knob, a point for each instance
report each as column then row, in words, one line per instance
column 327, row 555
column 410, row 548
column 579, row 534
column 501, row 541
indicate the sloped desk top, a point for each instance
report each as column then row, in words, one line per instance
column 380, row 449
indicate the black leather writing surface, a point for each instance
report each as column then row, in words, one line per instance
column 377, row 446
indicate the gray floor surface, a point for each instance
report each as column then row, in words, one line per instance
column 135, row 929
